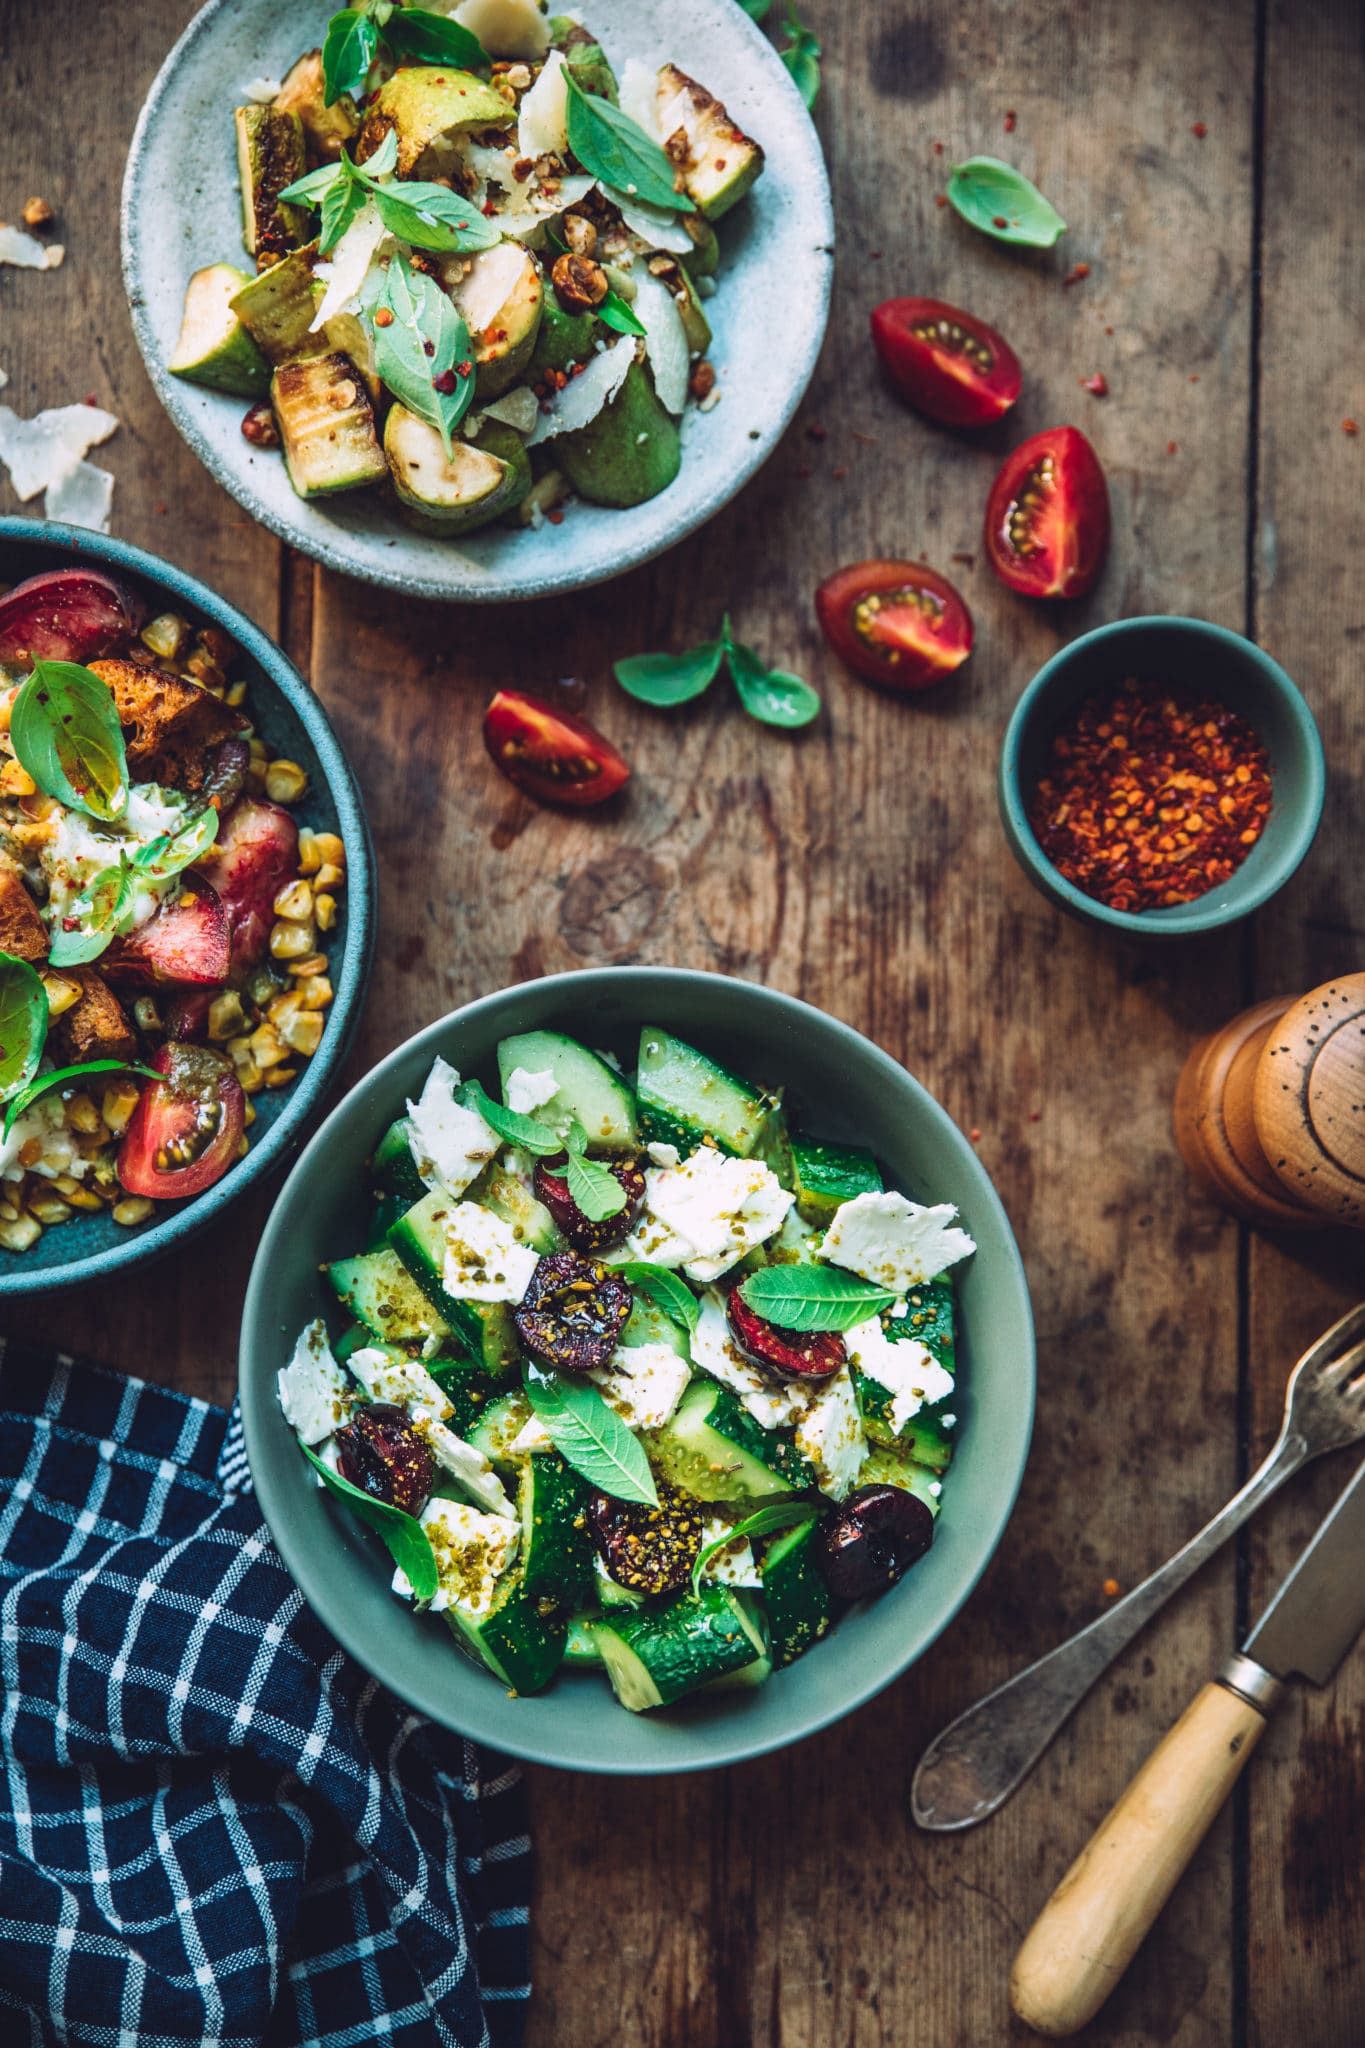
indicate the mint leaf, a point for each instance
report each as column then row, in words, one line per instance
column 65, row 731
column 94, row 918
column 65, row 1077
column 351, row 46
column 664, row 1289
column 23, row 1022
column 616, row 312
column 432, row 39
column 404, row 1535
column 596, row 1190
column 665, row 679
column 424, row 343
column 783, row 1514
column 510, row 1124
column 615, row 149
column 813, row 1297
column 772, row 696
column 589, row 1435
column 801, row 55
column 1000, row 202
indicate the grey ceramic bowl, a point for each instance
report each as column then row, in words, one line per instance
column 843, row 1087
column 293, row 724
column 1193, row 655
column 181, row 210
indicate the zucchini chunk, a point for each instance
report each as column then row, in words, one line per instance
column 712, row 1448
column 629, row 453
column 379, row 1292
column 586, row 1088
column 326, row 424
column 718, row 161
column 452, row 494
column 430, row 109
column 270, row 155
column 214, row 348
column 325, row 128
column 826, row 1175
column 688, row 1091
column 277, row 306
column 801, row 1607
column 655, row 1656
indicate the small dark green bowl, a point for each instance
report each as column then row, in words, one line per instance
column 293, row 724
column 840, row 1086
column 1189, row 654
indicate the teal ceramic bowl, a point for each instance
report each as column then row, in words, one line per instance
column 843, row 1087
column 1190, row 654
column 292, row 722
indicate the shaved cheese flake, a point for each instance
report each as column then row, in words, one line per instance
column 584, row 397
column 493, row 277
column 657, row 227
column 495, row 167
column 261, row 91
column 83, row 497
column 517, row 409
column 345, row 273
column 543, row 120
column 26, row 252
column 506, row 28
column 640, row 96
column 40, row 452
column 569, row 191
column 665, row 341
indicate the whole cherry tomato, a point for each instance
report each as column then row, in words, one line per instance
column 549, row 753
column 185, row 1131
column 1047, row 518
column 899, row 624
column 945, row 362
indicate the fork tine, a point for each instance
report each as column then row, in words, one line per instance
column 1345, row 1368
column 1331, row 1343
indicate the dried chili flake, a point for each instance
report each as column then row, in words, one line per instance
column 1098, row 385
column 1199, row 130
column 1172, row 447
column 1151, row 797
column 998, row 221
column 1010, row 122
column 1350, row 427
column 940, row 199
column 1076, row 275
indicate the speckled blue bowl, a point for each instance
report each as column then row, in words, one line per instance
column 293, row 723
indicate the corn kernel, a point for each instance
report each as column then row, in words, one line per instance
column 62, row 994
column 316, row 992
column 243, row 1146
column 166, row 635
column 330, row 876
column 239, row 1049
column 280, row 1077
column 295, row 901
column 19, row 1235
column 303, row 1033
column 82, row 1114
column 249, row 1114
column 120, row 1100
column 226, row 1015
column 250, row 1079
column 132, row 1209
column 30, row 1152
column 65, row 1183
column 312, row 963
column 284, row 1007
column 310, row 860
column 16, row 780
column 9, row 1209
column 49, row 1208
column 285, row 782
column 235, row 692
column 145, row 1013
column 266, row 1048
column 83, row 1198
column 206, row 672
column 330, row 847
column 292, row 941
column 325, row 911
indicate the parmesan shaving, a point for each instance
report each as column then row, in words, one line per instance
column 657, row 227
column 506, row 28
column 517, row 409
column 493, row 277
column 262, row 90
column 584, row 397
column 543, row 121
column 665, row 340
column 26, row 252
column 640, row 96
column 345, row 273
column 40, row 452
column 83, row 497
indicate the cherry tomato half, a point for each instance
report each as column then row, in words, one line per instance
column 185, row 1131
column 946, row 363
column 895, row 623
column 1047, row 518
column 549, row 753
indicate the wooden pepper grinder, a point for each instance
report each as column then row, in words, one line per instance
column 1270, row 1111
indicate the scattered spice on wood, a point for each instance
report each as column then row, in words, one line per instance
column 968, row 561
column 1350, row 427
column 1097, row 386
column 940, row 199
column 1035, row 1116
column 1172, row 447
column 1076, row 275
column 1151, row 796
column 975, row 1135
column 1199, row 130
column 938, row 149
column 1010, row 122
column 816, row 430
column 1111, row 1588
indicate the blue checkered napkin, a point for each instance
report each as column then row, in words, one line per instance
column 217, row 1829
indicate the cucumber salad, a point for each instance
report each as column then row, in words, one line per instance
column 482, row 262
column 633, row 1376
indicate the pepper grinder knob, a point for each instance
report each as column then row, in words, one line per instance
column 1309, row 1100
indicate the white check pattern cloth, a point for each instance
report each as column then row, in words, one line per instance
column 216, row 1830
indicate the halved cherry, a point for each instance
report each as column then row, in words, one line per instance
column 186, row 1129
column 551, row 1186
column 549, row 753
column 379, row 1451
column 783, row 1354
column 899, row 624
column 948, row 364
column 187, row 1016
column 67, row 615
column 1047, row 518
column 187, row 940
column 255, row 854
column 573, row 1312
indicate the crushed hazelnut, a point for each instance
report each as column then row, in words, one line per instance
column 579, row 233
column 258, row 425
column 37, row 213
column 580, row 284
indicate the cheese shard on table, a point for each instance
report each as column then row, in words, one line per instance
column 830, row 1435
column 400, row 1380
column 906, row 1368
column 895, row 1243
column 26, row 252
column 83, row 497
column 39, row 452
column 707, row 1212
column 483, row 1260
column 643, row 1383
column 315, row 1394
column 450, row 1145
column 472, row 1551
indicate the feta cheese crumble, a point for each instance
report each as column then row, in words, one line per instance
column 450, row 1145
column 736, row 1565
column 532, row 1436
column 315, row 1393
column 484, row 1261
column 895, row 1243
column 716, row 1207
column 830, row 1435
column 469, row 1466
column 527, row 1092
column 905, row 1367
column 643, row 1383
column 400, row 1380
column 664, row 1155
column 472, row 1551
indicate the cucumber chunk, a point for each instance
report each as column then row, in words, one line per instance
column 393, row 1168
column 484, row 1329
column 379, row 1291
column 586, row 1088
column 580, row 1646
column 704, row 1099
column 655, row 1656
column 924, row 1436
column 647, row 1324
column 713, row 1449
column 387, row 1211
column 469, row 1389
column 826, row 1175
column 510, row 1198
column 760, row 1666
column 932, row 1319
column 499, row 1424
column 887, row 1465
column 520, row 1645
column 800, row 1604
column 556, row 1549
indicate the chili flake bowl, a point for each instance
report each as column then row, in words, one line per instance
column 853, row 1092
column 1192, row 655
column 289, row 718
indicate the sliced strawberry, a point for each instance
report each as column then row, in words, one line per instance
column 187, row 941
column 255, row 854
column 67, row 615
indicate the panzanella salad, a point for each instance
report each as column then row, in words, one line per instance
column 481, row 264
column 161, row 915
column 633, row 1376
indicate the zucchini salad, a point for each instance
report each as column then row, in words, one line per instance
column 482, row 263
column 634, row 1377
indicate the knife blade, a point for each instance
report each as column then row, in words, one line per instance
column 1320, row 1609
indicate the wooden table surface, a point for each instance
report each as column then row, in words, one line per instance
column 792, row 1901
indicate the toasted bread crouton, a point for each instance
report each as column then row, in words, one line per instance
column 23, row 934
column 95, row 1027
column 171, row 727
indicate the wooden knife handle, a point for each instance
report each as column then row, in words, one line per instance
column 1101, row 1912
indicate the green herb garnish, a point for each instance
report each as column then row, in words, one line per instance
column 426, row 216
column 801, row 55
column 772, row 696
column 616, row 150
column 355, row 34
column 783, row 1514
column 1001, row 202
column 176, row 850
column 424, row 354
column 23, row 1023
column 407, row 1541
column 813, row 1297
column 596, row 1190
column 526, row 1131
column 95, row 917
column 665, row 1290
column 65, row 731
column 589, row 1435
column 65, row 1077
column 619, row 314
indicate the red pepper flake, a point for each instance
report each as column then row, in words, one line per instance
column 1108, row 330
column 938, row 149
column 1194, row 376
column 816, row 430
column 998, row 221
column 1010, row 123
column 967, row 561
column 874, row 255
column 489, row 207
column 91, row 399
column 555, row 518
column 1199, row 130
column 1151, row 796
column 1350, row 427
column 1097, row 386
column 383, row 317
column 466, row 369
column 940, row 199
column 445, row 383
column 1082, row 270
column 840, row 473
column 975, row 1135
column 1111, row 1589
column 1172, row 448
column 1035, row 1116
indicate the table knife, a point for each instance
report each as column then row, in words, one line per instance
column 1095, row 1921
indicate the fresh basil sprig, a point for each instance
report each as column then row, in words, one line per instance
column 618, row 314
column 427, row 216
column 95, row 917
column 23, row 1023
column 665, row 1290
column 757, row 10
column 424, row 354
column 65, row 731
column 813, row 1297
column 772, row 696
column 595, row 1188
column 590, row 1435
column 407, row 1541
column 526, row 1131
column 172, row 851
column 666, row 679
column 66, row 1077
column 617, row 151
column 801, row 55
column 783, row 1514
column 1000, row 201
column 355, row 34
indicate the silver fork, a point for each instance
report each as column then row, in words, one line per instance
column 971, row 1769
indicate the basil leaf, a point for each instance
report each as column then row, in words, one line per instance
column 783, row 1514
column 431, row 39
column 617, row 313
column 424, row 341
column 589, row 1435
column 756, row 9
column 431, row 217
column 65, row 731
column 407, row 1540
column 802, row 58
column 382, row 164
column 43, row 1084
column 664, row 679
column 340, row 205
column 351, row 46
column 510, row 1124
column 176, row 850
column 665, row 1290
column 23, row 1022
column 771, row 695
column 616, row 149
column 595, row 1188
column 100, row 911
column 1000, row 202
column 813, row 1297
column 310, row 189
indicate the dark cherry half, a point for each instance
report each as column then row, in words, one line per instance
column 878, row 1533
column 783, row 1354
column 651, row 1550
column 573, row 1312
column 379, row 1451
column 552, row 1188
